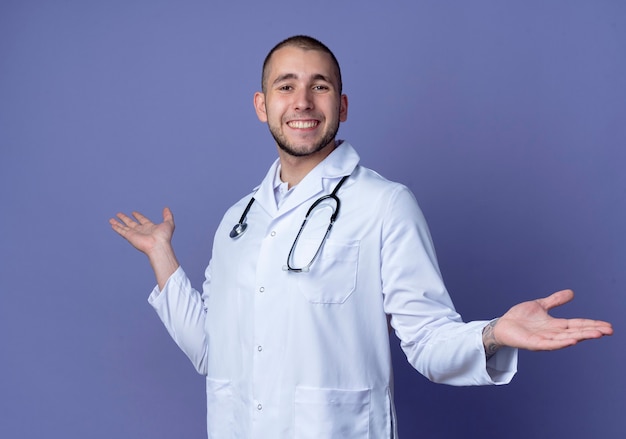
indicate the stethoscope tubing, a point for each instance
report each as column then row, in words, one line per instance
column 242, row 225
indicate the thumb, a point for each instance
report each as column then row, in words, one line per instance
column 556, row 299
column 168, row 216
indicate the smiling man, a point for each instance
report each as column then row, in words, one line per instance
column 293, row 337
column 303, row 105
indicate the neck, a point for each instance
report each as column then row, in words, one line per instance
column 293, row 168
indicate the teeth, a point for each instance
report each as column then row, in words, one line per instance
column 302, row 123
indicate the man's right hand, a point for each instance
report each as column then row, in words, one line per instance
column 155, row 240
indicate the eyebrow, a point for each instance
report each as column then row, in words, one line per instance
column 287, row 76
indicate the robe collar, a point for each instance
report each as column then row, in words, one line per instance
column 319, row 181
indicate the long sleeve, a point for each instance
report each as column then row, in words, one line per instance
column 181, row 309
column 433, row 336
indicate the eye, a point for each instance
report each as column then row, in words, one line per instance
column 321, row 87
column 285, row 88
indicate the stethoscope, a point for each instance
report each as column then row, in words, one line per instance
column 241, row 226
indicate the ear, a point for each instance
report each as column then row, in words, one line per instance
column 259, row 106
column 343, row 108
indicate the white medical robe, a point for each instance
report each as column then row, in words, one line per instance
column 306, row 355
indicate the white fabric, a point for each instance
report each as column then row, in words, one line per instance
column 306, row 355
column 281, row 189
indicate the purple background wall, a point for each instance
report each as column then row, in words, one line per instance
column 507, row 120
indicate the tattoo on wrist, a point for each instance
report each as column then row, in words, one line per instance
column 489, row 339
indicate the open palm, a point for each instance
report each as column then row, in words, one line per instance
column 529, row 326
column 142, row 233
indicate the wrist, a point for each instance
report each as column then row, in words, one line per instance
column 164, row 263
column 490, row 342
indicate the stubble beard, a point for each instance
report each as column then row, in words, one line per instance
column 294, row 151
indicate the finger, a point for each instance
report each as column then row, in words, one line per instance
column 560, row 340
column 118, row 227
column 574, row 330
column 128, row 221
column 141, row 219
column 115, row 223
column 552, row 345
column 587, row 324
column 556, row 299
column 571, row 338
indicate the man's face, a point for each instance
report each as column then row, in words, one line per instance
column 301, row 102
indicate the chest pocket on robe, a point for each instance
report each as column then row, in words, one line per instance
column 332, row 276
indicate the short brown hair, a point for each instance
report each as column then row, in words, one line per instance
column 303, row 42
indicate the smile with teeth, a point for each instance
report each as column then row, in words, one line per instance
column 302, row 123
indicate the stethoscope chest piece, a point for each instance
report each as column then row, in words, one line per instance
column 238, row 230
column 241, row 227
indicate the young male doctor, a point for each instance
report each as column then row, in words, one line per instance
column 293, row 337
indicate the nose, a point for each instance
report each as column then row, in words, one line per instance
column 303, row 99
